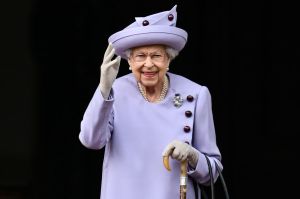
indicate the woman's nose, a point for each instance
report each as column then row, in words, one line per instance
column 148, row 62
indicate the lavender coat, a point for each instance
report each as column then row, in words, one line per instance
column 135, row 133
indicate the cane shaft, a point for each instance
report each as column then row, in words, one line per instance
column 183, row 179
column 182, row 191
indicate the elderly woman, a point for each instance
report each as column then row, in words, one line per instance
column 149, row 113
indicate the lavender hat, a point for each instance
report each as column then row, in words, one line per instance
column 159, row 28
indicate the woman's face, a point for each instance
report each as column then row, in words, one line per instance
column 149, row 64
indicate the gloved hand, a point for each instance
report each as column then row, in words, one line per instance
column 181, row 151
column 109, row 71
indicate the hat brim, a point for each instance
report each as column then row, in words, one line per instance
column 148, row 35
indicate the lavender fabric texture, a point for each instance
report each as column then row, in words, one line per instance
column 159, row 28
column 135, row 132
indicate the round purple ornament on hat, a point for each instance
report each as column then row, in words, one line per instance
column 159, row 28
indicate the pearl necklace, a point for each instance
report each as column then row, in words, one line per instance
column 162, row 94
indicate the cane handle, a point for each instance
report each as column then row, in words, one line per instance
column 166, row 162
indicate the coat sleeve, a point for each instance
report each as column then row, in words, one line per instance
column 97, row 123
column 204, row 139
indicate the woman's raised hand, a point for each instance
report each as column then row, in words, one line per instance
column 109, row 71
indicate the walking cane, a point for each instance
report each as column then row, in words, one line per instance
column 183, row 175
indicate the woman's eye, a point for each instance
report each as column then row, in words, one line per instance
column 157, row 57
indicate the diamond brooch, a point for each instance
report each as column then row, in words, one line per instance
column 177, row 100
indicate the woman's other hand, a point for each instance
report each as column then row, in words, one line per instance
column 182, row 151
column 109, row 71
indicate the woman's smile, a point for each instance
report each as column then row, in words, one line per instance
column 149, row 75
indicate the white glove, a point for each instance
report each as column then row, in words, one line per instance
column 109, row 71
column 181, row 151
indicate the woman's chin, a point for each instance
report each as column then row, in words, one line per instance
column 148, row 83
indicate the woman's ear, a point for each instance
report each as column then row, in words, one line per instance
column 129, row 63
column 168, row 64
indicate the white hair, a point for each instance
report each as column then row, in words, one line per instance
column 128, row 53
column 171, row 52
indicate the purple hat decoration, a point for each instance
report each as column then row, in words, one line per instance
column 159, row 28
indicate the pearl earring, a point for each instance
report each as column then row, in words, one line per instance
column 167, row 68
column 130, row 68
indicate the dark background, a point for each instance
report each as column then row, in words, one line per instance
column 245, row 52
